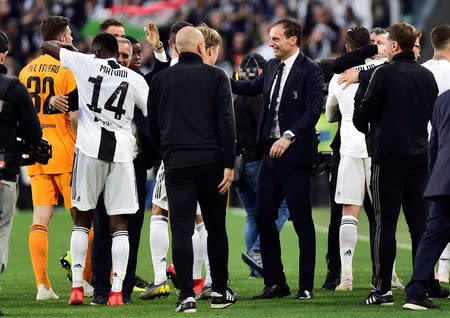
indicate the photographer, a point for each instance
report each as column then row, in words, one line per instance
column 18, row 118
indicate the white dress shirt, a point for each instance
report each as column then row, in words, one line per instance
column 275, row 133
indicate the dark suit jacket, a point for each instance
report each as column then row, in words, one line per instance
column 191, row 114
column 439, row 148
column 300, row 105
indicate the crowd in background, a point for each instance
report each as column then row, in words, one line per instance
column 243, row 24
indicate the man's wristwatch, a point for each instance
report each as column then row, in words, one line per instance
column 289, row 136
column 157, row 48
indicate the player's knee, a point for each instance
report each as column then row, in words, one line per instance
column 118, row 223
column 156, row 210
column 84, row 218
column 42, row 214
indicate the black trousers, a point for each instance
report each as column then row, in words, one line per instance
column 101, row 245
column 277, row 181
column 333, row 257
column 433, row 242
column 186, row 186
column 395, row 186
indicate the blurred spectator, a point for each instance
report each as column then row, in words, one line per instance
column 238, row 49
column 381, row 13
column 243, row 24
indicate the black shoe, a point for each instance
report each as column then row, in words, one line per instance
column 437, row 291
column 274, row 291
column 127, row 299
column 412, row 304
column 304, row 294
column 254, row 274
column 223, row 300
column 140, row 283
column 331, row 283
column 99, row 300
column 186, row 305
column 376, row 299
column 2, row 313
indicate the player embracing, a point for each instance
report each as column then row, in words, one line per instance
column 104, row 148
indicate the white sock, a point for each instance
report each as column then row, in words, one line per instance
column 159, row 246
column 198, row 261
column 444, row 260
column 120, row 250
column 78, row 249
column 347, row 243
column 204, row 251
column 393, row 270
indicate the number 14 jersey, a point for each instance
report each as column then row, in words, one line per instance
column 107, row 95
column 44, row 77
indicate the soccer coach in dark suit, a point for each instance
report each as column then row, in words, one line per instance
column 292, row 99
column 191, row 113
column 437, row 231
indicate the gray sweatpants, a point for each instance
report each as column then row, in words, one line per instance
column 8, row 198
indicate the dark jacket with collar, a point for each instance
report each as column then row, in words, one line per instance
column 439, row 183
column 191, row 114
column 398, row 105
column 300, row 105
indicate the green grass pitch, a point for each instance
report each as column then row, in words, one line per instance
column 17, row 298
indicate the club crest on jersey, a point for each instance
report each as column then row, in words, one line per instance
column 295, row 95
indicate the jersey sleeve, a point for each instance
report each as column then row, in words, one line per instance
column 141, row 93
column 332, row 107
column 75, row 61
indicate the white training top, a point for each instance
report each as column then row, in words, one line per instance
column 107, row 94
column 441, row 72
column 353, row 142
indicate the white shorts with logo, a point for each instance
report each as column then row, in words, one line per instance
column 159, row 192
column 353, row 180
column 91, row 176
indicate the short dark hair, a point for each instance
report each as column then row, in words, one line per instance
column 109, row 22
column 291, row 28
column 404, row 34
column 378, row 31
column 131, row 39
column 357, row 36
column 3, row 42
column 53, row 26
column 106, row 42
column 177, row 26
column 440, row 37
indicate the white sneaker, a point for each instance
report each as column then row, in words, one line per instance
column 44, row 294
column 88, row 289
column 345, row 285
column 396, row 282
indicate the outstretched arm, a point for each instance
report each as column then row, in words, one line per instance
column 52, row 48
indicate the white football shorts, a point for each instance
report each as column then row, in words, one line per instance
column 91, row 176
column 159, row 192
column 353, row 180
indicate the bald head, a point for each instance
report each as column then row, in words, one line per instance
column 190, row 39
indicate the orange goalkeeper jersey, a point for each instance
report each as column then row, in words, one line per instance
column 44, row 77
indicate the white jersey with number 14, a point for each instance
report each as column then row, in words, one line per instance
column 107, row 95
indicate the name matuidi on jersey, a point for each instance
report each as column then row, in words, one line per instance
column 113, row 72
